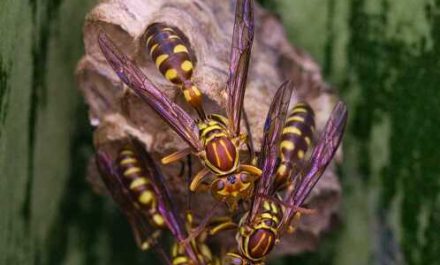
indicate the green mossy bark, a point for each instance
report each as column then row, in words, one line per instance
column 382, row 54
column 384, row 57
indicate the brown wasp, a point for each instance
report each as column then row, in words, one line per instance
column 206, row 256
column 216, row 140
column 269, row 217
column 137, row 186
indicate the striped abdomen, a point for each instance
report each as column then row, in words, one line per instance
column 205, row 256
column 296, row 138
column 173, row 57
column 202, row 250
column 138, row 184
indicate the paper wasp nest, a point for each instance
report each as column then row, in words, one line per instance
column 115, row 112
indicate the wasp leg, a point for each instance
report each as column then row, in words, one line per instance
column 293, row 225
column 219, row 224
column 253, row 170
column 198, row 178
column 203, row 187
column 196, row 232
column 176, row 156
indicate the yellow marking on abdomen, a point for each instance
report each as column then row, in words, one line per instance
column 131, row 171
column 300, row 154
column 308, row 141
column 160, row 59
column 295, row 118
column 180, row 48
column 153, row 48
column 146, row 197
column 171, row 74
column 186, row 66
column 158, row 220
column 292, row 129
column 149, row 39
column 127, row 153
column 138, row 182
column 128, row 160
column 282, row 169
column 288, row 145
column 145, row 246
column 172, row 37
column 299, row 110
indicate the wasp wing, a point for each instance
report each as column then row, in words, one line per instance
column 321, row 156
column 268, row 157
column 142, row 230
column 242, row 38
column 133, row 77
column 166, row 207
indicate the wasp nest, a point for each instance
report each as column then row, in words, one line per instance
column 116, row 112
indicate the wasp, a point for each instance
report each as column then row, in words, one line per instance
column 215, row 140
column 137, row 186
column 175, row 59
column 296, row 139
column 268, row 218
column 178, row 255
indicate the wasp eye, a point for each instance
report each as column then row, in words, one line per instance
column 268, row 222
column 245, row 178
column 220, row 185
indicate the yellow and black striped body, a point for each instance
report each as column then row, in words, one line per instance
column 296, row 138
column 205, row 255
column 173, row 56
column 257, row 240
column 139, row 185
column 221, row 151
column 203, row 251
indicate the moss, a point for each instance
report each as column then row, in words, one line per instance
column 390, row 63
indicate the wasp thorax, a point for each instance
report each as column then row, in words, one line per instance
column 260, row 243
column 221, row 155
column 245, row 178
